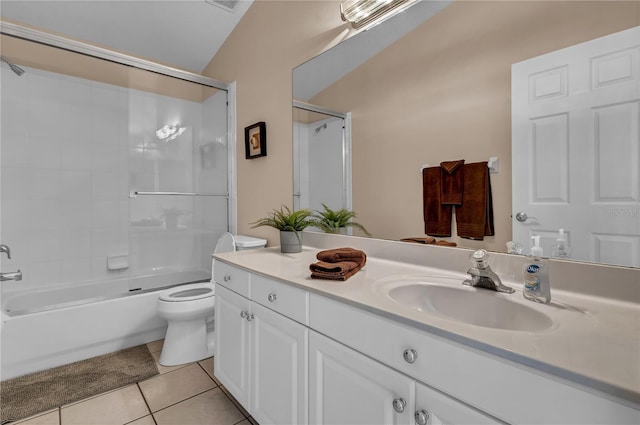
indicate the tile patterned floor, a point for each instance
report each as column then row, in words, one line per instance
column 181, row 395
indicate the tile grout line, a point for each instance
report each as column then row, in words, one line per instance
column 188, row 398
column 146, row 403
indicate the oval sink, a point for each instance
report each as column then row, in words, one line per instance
column 479, row 307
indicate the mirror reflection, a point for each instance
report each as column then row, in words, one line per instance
column 443, row 92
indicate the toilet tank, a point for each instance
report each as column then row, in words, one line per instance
column 249, row 242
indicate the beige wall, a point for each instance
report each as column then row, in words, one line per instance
column 452, row 100
column 271, row 39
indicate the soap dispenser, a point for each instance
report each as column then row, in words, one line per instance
column 561, row 248
column 536, row 276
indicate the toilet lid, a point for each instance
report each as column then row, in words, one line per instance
column 226, row 243
column 190, row 292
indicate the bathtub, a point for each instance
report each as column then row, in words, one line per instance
column 56, row 326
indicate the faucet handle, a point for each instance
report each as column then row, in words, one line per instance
column 479, row 259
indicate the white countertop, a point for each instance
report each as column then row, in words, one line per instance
column 594, row 341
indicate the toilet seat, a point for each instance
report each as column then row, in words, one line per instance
column 191, row 292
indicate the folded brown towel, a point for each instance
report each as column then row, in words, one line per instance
column 445, row 243
column 342, row 254
column 437, row 217
column 341, row 270
column 338, row 264
column 474, row 218
column 427, row 240
column 452, row 180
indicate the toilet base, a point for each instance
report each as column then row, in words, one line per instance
column 186, row 342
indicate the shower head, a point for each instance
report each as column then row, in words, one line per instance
column 317, row 130
column 15, row 68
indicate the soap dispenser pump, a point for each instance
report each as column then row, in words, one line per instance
column 536, row 276
column 561, row 248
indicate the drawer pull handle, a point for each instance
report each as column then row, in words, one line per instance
column 272, row 297
column 410, row 355
column 399, row 404
column 422, row 417
column 226, row 278
column 243, row 314
column 249, row 317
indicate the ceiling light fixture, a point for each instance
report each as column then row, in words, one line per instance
column 361, row 13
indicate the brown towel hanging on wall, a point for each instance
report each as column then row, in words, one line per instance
column 452, row 184
column 437, row 217
column 474, row 218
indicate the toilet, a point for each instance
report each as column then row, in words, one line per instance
column 188, row 309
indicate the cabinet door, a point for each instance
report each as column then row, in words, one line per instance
column 279, row 368
column 231, row 365
column 435, row 408
column 347, row 387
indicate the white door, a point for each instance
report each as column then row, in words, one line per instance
column 346, row 387
column 231, row 365
column 279, row 365
column 575, row 147
column 435, row 408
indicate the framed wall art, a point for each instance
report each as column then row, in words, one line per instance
column 255, row 140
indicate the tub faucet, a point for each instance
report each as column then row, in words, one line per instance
column 11, row 276
column 482, row 276
column 6, row 250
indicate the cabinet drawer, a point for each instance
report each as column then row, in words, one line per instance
column 437, row 408
column 284, row 299
column 231, row 277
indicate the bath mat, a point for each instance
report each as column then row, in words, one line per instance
column 30, row 394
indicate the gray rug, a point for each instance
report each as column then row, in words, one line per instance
column 30, row 394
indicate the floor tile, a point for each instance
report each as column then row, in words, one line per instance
column 50, row 418
column 207, row 365
column 164, row 390
column 155, row 346
column 147, row 420
column 116, row 407
column 165, row 369
column 210, row 408
column 234, row 401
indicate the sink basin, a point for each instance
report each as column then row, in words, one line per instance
column 474, row 306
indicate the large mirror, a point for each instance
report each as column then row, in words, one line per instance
column 434, row 84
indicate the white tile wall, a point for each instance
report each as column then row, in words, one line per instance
column 71, row 151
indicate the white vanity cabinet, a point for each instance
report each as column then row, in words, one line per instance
column 346, row 387
column 261, row 358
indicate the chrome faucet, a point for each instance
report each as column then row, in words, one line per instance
column 11, row 275
column 6, row 250
column 482, row 276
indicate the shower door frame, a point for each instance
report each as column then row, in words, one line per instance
column 347, row 193
column 41, row 37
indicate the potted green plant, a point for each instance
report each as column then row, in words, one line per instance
column 336, row 221
column 290, row 223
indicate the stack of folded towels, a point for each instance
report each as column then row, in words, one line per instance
column 338, row 264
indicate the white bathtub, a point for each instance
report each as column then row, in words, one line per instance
column 51, row 327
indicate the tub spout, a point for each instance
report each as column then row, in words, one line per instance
column 6, row 250
column 11, row 276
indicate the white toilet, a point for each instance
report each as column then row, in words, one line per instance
column 189, row 311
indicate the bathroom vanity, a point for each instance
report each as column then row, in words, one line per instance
column 295, row 350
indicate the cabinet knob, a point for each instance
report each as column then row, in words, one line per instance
column 410, row 355
column 226, row 278
column 249, row 317
column 272, row 297
column 421, row 416
column 243, row 314
column 399, row 404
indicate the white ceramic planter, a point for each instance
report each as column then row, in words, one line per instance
column 290, row 242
